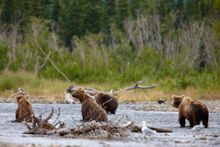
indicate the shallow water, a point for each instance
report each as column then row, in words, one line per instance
column 11, row 133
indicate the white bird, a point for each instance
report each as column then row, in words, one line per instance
column 21, row 90
column 197, row 128
column 146, row 130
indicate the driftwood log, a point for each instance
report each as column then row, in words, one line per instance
column 44, row 126
column 114, row 129
column 160, row 130
column 135, row 86
column 98, row 130
column 93, row 91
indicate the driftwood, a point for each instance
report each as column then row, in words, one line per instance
column 160, row 130
column 92, row 91
column 113, row 129
column 136, row 86
column 43, row 126
column 98, row 130
column 135, row 128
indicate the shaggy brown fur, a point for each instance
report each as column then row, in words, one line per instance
column 24, row 110
column 90, row 109
column 108, row 102
column 193, row 110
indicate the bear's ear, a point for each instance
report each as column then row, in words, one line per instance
column 182, row 96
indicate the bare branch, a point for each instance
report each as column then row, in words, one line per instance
column 50, row 115
column 28, row 126
column 136, row 86
column 58, row 115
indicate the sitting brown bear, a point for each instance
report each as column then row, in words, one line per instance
column 24, row 110
column 107, row 102
column 90, row 109
column 193, row 110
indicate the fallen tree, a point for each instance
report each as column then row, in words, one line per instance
column 113, row 129
column 45, row 126
column 93, row 91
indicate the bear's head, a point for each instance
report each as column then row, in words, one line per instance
column 177, row 100
column 79, row 94
column 21, row 97
column 100, row 94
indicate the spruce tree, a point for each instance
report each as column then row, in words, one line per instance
column 7, row 15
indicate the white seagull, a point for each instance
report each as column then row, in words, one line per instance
column 21, row 90
column 197, row 128
column 146, row 130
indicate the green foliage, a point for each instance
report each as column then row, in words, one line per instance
column 7, row 11
column 10, row 83
column 3, row 56
column 169, row 42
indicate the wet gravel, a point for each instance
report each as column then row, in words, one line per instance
column 163, row 116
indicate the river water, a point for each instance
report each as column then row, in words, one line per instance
column 11, row 134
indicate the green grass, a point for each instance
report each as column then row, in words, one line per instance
column 198, row 86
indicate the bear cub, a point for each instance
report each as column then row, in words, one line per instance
column 24, row 110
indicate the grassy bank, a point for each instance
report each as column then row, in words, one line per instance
column 48, row 90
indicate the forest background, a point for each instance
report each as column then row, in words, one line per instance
column 48, row 45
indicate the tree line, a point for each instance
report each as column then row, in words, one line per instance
column 77, row 18
column 123, row 39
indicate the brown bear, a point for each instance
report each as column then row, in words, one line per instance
column 90, row 109
column 107, row 102
column 193, row 110
column 24, row 110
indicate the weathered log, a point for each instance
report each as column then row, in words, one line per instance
column 160, row 130
column 135, row 86
column 42, row 126
column 93, row 91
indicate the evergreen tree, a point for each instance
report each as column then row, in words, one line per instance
column 37, row 8
column 22, row 15
column 48, row 8
column 122, row 12
column 72, row 18
column 7, row 15
column 56, row 10
column 95, row 20
column 111, row 9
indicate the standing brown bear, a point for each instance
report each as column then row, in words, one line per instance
column 193, row 110
column 107, row 102
column 24, row 110
column 90, row 109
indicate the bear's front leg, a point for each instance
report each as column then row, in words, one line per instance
column 182, row 121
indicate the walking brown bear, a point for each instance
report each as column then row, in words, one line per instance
column 193, row 110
